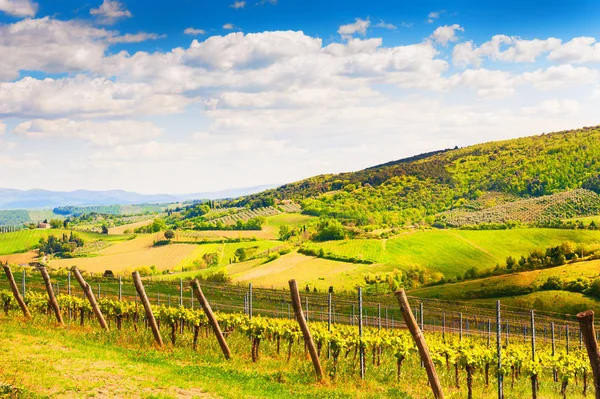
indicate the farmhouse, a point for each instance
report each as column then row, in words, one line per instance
column 43, row 225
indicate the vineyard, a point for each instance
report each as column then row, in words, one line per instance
column 565, row 205
column 245, row 214
column 260, row 329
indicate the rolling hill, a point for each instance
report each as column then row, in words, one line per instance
column 417, row 189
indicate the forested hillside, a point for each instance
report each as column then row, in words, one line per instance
column 418, row 188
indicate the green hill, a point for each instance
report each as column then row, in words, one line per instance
column 418, row 188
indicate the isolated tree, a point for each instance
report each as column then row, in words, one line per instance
column 104, row 229
column 169, row 235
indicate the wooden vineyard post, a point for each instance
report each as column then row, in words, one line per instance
column 329, row 314
column 361, row 348
column 51, row 296
column 211, row 318
column 417, row 334
column 310, row 344
column 554, row 371
column 499, row 351
column 90, row 296
column 15, row 291
column 139, row 287
column 533, row 376
column 586, row 323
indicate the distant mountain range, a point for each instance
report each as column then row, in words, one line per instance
column 35, row 199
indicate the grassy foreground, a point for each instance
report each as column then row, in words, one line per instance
column 42, row 360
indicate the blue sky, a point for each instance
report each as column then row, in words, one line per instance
column 187, row 95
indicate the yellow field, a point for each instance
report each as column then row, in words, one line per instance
column 187, row 236
column 165, row 257
column 17, row 259
column 130, row 226
column 139, row 243
column 320, row 273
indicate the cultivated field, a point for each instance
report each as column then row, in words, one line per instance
column 486, row 286
column 452, row 252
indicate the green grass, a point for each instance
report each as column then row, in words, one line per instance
column 486, row 287
column 452, row 252
column 82, row 362
column 41, row 215
column 226, row 253
column 78, row 362
column 562, row 302
column 273, row 223
column 25, row 240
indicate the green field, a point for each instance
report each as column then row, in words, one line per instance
column 562, row 302
column 481, row 288
column 25, row 240
column 452, row 252
column 273, row 223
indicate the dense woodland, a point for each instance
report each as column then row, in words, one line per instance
column 14, row 217
column 415, row 189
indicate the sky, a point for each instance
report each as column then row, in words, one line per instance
column 186, row 96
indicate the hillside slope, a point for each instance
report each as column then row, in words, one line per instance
column 416, row 188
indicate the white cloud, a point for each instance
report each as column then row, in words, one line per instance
column 49, row 45
column 84, row 97
column 101, row 134
column 432, row 16
column 385, row 25
column 19, row 8
column 447, row 33
column 503, row 48
column 487, row 83
column 554, row 107
column 135, row 37
column 55, row 46
column 2, row 128
column 596, row 93
column 110, row 11
column 229, row 26
column 238, row 4
column 20, row 163
column 194, row 31
column 359, row 26
column 577, row 51
column 561, row 76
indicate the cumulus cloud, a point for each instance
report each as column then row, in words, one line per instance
column 101, row 134
column 19, row 8
column 554, row 107
column 238, row 4
column 2, row 128
column 513, row 49
column 432, row 16
column 55, row 46
column 194, row 31
column 561, row 76
column 359, row 26
column 502, row 48
column 445, row 34
column 385, row 25
column 135, row 37
column 110, row 11
column 84, row 97
column 577, row 51
column 486, row 83
column 229, row 26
